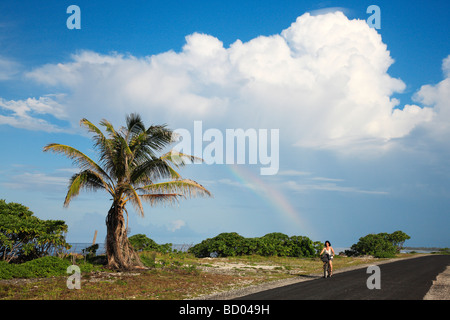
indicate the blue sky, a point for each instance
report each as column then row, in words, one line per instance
column 362, row 113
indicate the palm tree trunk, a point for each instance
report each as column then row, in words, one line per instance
column 120, row 253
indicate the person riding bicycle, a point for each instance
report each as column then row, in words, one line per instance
column 328, row 249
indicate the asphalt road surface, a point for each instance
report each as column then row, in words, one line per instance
column 408, row 279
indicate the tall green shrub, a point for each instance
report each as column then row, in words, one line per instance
column 271, row 244
column 25, row 237
column 222, row 245
column 140, row 242
column 302, row 247
column 381, row 245
column 274, row 244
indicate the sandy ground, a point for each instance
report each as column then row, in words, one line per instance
column 440, row 290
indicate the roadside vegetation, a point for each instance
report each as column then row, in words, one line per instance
column 34, row 259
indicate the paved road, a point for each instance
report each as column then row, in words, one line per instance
column 408, row 279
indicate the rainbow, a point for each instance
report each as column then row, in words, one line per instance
column 272, row 196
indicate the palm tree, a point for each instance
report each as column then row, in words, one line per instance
column 130, row 170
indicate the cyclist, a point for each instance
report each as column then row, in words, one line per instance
column 328, row 249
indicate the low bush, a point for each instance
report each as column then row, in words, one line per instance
column 223, row 245
column 381, row 245
column 39, row 268
column 141, row 242
column 6, row 270
column 272, row 244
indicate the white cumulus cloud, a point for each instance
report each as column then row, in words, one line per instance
column 26, row 114
column 323, row 81
column 176, row 224
column 438, row 97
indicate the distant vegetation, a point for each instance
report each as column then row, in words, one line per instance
column 429, row 249
column 381, row 245
column 27, row 243
column 232, row 244
column 141, row 242
column 272, row 244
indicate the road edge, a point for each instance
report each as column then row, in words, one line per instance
column 237, row 293
column 440, row 289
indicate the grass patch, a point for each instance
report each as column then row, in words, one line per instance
column 40, row 268
column 156, row 284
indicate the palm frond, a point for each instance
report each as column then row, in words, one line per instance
column 167, row 198
column 100, row 142
column 78, row 157
column 180, row 159
column 120, row 156
column 109, row 128
column 131, row 195
column 88, row 180
column 135, row 126
column 130, row 164
column 153, row 169
column 158, row 137
column 99, row 137
column 186, row 187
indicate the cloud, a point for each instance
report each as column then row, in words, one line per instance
column 27, row 114
column 293, row 173
column 323, row 81
column 27, row 177
column 438, row 97
column 328, row 186
column 322, row 11
column 446, row 67
column 175, row 225
column 8, row 68
column 299, row 182
column 37, row 181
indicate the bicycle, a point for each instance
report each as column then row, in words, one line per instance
column 326, row 265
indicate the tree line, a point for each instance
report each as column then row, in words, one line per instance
column 24, row 237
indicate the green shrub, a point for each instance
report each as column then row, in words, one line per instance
column 381, row 245
column 225, row 245
column 272, row 244
column 40, row 268
column 45, row 267
column 444, row 251
column 90, row 251
column 318, row 246
column 6, row 270
column 141, row 242
column 148, row 259
column 86, row 267
column 25, row 237
column 222, row 245
column 302, row 247
column 384, row 254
